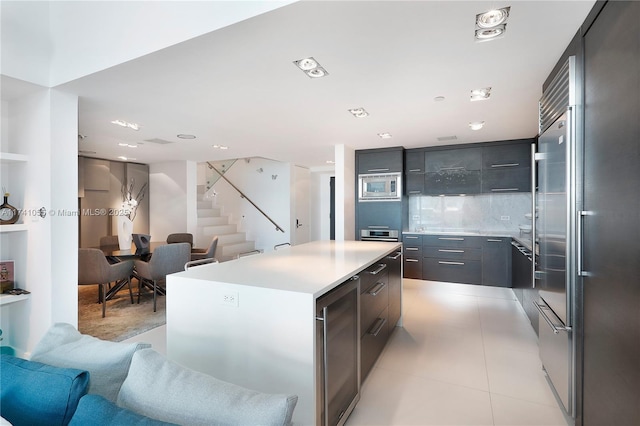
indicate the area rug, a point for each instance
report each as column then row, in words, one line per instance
column 122, row 320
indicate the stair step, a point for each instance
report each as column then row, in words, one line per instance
column 219, row 230
column 210, row 212
column 236, row 237
column 213, row 220
column 205, row 204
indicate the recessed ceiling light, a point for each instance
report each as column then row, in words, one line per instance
column 439, row 98
column 491, row 24
column 385, row 135
column 480, row 94
column 476, row 125
column 492, row 18
column 311, row 67
column 220, row 147
column 186, row 136
column 128, row 145
column 359, row 112
column 490, row 33
column 331, row 162
column 306, row 64
column 123, row 158
column 123, row 123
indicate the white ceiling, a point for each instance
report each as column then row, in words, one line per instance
column 238, row 86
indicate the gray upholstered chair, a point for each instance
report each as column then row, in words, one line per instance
column 109, row 240
column 205, row 253
column 93, row 268
column 183, row 237
column 165, row 260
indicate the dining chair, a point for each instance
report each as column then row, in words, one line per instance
column 182, row 237
column 205, row 253
column 165, row 260
column 93, row 268
column 109, row 240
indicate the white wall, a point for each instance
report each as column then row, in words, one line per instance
column 273, row 196
column 172, row 198
column 53, row 42
column 43, row 125
column 345, row 159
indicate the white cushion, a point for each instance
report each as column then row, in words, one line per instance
column 163, row 390
column 107, row 362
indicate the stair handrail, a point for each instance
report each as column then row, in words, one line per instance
column 243, row 195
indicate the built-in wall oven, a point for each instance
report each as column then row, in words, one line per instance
column 379, row 234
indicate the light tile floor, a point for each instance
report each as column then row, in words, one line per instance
column 466, row 355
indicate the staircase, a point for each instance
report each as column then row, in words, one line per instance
column 211, row 222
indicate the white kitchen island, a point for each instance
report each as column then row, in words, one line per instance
column 252, row 321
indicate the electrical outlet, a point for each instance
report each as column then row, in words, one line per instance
column 229, row 298
column 505, row 217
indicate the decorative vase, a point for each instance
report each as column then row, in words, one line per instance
column 125, row 231
column 8, row 214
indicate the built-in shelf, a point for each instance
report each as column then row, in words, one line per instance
column 13, row 228
column 5, row 299
column 9, row 157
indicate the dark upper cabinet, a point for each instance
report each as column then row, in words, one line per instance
column 452, row 182
column 385, row 160
column 514, row 180
column 456, row 159
column 414, row 171
column 414, row 161
column 505, row 157
column 507, row 167
column 379, row 215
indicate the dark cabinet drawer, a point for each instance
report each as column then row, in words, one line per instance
column 453, row 182
column 461, row 253
column 413, row 267
column 373, row 341
column 456, row 271
column 373, row 300
column 451, row 241
column 376, row 272
column 453, row 159
column 506, row 180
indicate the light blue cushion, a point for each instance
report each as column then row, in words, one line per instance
column 32, row 393
column 108, row 362
column 164, row 390
column 95, row 410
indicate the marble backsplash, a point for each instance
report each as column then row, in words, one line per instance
column 472, row 213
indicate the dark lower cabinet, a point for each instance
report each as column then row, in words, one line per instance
column 611, row 290
column 412, row 256
column 522, row 281
column 452, row 258
column 380, row 307
column 496, row 261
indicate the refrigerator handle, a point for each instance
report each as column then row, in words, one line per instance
column 580, row 242
column 534, row 177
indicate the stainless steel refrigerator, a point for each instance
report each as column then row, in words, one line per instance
column 556, row 199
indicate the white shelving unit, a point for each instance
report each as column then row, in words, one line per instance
column 6, row 299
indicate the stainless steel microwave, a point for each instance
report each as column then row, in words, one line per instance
column 380, row 187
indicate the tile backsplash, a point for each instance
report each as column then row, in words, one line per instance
column 472, row 213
